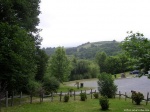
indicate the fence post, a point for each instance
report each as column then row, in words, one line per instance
column 12, row 98
column 125, row 96
column 0, row 104
column 74, row 95
column 20, row 97
column 30, row 97
column 42, row 96
column 52, row 97
column 119, row 95
column 132, row 98
column 68, row 93
column 147, row 98
column 81, row 91
column 60, row 95
column 6, row 99
column 95, row 91
column 91, row 93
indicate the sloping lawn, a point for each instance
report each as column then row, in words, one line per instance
column 91, row 105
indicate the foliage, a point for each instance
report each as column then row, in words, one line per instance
column 101, row 61
column 41, row 60
column 22, row 13
column 96, row 95
column 19, row 40
column 104, row 102
column 83, row 96
column 33, row 87
column 83, row 69
column 60, row 65
column 17, row 57
column 137, row 97
column 106, row 85
column 138, row 47
column 89, row 50
column 51, row 84
column 66, row 98
column 93, row 70
column 113, row 65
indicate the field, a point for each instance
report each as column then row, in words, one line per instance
column 91, row 105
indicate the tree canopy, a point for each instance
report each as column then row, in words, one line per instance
column 60, row 65
column 19, row 41
column 17, row 63
column 138, row 47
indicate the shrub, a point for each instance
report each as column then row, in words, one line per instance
column 106, row 85
column 96, row 95
column 66, row 98
column 137, row 97
column 104, row 102
column 51, row 84
column 83, row 96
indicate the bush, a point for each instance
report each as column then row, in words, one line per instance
column 66, row 98
column 34, row 87
column 51, row 84
column 104, row 102
column 106, row 85
column 137, row 97
column 96, row 95
column 83, row 96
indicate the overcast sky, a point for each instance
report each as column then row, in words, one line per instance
column 70, row 23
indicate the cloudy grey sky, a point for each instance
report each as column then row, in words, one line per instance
column 70, row 23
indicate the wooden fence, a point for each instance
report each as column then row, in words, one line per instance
column 9, row 101
column 126, row 96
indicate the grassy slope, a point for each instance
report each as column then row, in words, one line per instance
column 91, row 105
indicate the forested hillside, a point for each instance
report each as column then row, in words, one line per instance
column 88, row 50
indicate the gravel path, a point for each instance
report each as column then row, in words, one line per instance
column 126, row 85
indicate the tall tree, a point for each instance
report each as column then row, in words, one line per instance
column 19, row 38
column 41, row 60
column 100, row 60
column 113, row 65
column 17, row 57
column 23, row 13
column 60, row 65
column 138, row 47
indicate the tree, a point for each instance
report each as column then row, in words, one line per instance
column 60, row 65
column 23, row 13
column 106, row 85
column 41, row 60
column 17, row 57
column 19, row 38
column 93, row 70
column 138, row 47
column 50, row 84
column 124, row 62
column 113, row 65
column 100, row 60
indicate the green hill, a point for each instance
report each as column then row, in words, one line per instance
column 88, row 50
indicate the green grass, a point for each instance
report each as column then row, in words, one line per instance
column 65, row 88
column 91, row 105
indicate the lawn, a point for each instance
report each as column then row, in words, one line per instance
column 65, row 88
column 91, row 105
